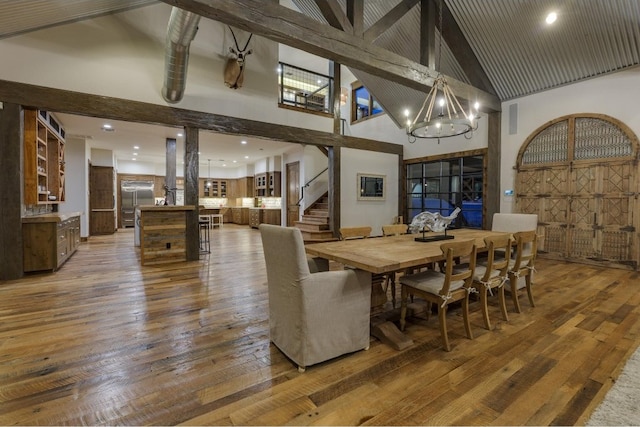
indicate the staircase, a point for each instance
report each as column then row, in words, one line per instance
column 315, row 222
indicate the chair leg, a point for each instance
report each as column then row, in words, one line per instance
column 528, row 282
column 485, row 307
column 403, row 307
column 513, row 280
column 503, row 303
column 442, row 319
column 465, row 317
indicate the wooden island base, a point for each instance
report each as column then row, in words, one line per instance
column 163, row 234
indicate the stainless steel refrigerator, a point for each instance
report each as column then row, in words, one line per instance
column 134, row 193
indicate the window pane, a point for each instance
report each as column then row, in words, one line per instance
column 362, row 102
column 376, row 107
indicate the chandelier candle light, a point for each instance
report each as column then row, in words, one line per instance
column 451, row 119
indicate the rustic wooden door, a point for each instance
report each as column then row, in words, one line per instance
column 580, row 175
column 293, row 193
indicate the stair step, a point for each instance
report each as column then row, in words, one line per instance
column 315, row 219
column 318, row 212
column 308, row 226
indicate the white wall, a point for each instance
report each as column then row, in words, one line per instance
column 356, row 212
column 615, row 95
column 76, row 182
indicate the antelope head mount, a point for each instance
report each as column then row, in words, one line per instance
column 234, row 68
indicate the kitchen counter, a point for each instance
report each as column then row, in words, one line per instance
column 259, row 216
column 50, row 217
column 163, row 233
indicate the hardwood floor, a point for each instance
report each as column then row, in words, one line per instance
column 104, row 341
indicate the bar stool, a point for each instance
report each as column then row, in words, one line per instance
column 205, row 242
column 219, row 221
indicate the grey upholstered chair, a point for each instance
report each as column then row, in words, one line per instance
column 313, row 317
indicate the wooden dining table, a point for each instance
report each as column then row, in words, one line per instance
column 386, row 255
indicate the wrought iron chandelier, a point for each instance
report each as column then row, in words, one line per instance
column 445, row 119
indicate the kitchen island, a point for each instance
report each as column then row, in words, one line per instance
column 163, row 234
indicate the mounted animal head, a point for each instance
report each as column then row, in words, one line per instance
column 234, row 69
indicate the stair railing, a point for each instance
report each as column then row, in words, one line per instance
column 309, row 183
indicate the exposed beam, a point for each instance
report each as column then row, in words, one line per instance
column 289, row 27
column 334, row 15
column 463, row 53
column 355, row 13
column 428, row 33
column 142, row 112
column 384, row 23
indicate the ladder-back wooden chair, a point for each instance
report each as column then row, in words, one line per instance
column 493, row 275
column 391, row 278
column 523, row 265
column 442, row 289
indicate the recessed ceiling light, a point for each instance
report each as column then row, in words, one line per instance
column 243, row 142
column 235, row 161
column 180, row 134
column 107, row 128
column 551, row 18
column 136, row 147
column 135, row 154
column 134, row 159
column 246, row 157
column 224, row 164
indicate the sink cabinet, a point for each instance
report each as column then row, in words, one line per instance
column 49, row 240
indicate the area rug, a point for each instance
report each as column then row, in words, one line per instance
column 621, row 405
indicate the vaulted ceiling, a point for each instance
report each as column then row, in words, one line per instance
column 502, row 47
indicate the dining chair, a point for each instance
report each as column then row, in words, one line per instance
column 443, row 288
column 523, row 265
column 492, row 275
column 354, row 232
column 314, row 314
column 390, row 279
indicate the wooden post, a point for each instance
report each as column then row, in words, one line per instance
column 191, row 174
column 334, row 189
column 170, row 171
column 494, row 159
column 11, row 158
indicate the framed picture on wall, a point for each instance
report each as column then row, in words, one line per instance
column 371, row 187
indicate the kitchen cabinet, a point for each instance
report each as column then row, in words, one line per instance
column 271, row 216
column 260, row 184
column 255, row 217
column 102, row 219
column 240, row 215
column 49, row 240
column 214, row 188
column 44, row 164
column 275, row 186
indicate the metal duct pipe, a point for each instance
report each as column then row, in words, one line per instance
column 181, row 31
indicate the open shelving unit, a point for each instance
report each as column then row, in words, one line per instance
column 44, row 164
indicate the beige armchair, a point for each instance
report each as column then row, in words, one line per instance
column 313, row 317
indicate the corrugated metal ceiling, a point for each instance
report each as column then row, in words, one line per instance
column 518, row 52
column 20, row 16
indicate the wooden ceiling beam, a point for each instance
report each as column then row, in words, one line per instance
column 463, row 53
column 383, row 24
column 83, row 104
column 428, row 33
column 355, row 13
column 286, row 26
column 334, row 15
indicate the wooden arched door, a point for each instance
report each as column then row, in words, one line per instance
column 579, row 173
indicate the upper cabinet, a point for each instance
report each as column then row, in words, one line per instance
column 44, row 164
column 267, row 184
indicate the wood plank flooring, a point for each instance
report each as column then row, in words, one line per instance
column 104, row 341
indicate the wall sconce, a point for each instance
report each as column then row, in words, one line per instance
column 344, row 95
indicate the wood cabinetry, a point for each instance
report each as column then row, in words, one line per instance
column 49, row 240
column 44, row 164
column 255, row 217
column 259, row 216
column 272, row 216
column 267, row 184
column 102, row 218
column 214, row 187
column 240, row 216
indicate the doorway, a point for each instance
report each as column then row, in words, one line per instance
column 293, row 193
column 579, row 174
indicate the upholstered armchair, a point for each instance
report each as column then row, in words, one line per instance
column 314, row 315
